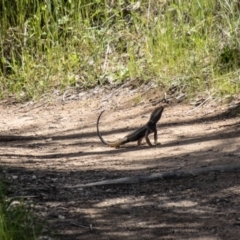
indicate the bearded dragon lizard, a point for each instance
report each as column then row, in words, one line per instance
column 139, row 134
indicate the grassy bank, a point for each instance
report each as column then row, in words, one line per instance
column 49, row 45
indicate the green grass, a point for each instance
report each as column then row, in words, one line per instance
column 17, row 222
column 50, row 45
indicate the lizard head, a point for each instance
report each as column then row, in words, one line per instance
column 156, row 114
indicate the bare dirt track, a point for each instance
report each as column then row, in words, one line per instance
column 47, row 145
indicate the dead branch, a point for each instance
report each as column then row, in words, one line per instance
column 160, row 176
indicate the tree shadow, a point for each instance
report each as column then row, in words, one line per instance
column 204, row 206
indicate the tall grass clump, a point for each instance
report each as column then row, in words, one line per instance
column 17, row 222
column 48, row 45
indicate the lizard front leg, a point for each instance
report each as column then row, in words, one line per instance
column 156, row 137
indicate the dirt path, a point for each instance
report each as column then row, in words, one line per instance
column 45, row 146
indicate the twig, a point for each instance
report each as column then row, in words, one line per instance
column 79, row 225
column 160, row 176
column 192, row 110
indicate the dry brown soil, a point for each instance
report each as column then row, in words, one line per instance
column 47, row 145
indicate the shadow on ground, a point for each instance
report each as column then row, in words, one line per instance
column 200, row 207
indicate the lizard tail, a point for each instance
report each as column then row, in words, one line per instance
column 98, row 133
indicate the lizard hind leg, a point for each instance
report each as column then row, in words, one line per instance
column 147, row 139
column 139, row 141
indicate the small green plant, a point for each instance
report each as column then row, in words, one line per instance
column 138, row 99
column 17, row 222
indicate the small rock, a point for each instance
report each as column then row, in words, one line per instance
column 61, row 217
column 44, row 238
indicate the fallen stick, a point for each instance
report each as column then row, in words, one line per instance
column 160, row 176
